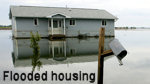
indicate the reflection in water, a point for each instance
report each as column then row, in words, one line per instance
column 70, row 50
column 58, row 50
column 36, row 53
column 46, row 52
column 135, row 70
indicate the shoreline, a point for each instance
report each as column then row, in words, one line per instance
column 5, row 28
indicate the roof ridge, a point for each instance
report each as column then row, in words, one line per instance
column 33, row 11
column 56, row 7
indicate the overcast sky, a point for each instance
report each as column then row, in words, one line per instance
column 130, row 12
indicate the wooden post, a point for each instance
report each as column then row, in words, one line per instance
column 100, row 57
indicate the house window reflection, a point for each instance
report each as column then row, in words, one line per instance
column 56, row 50
column 72, row 51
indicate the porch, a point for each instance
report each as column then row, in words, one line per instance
column 57, row 26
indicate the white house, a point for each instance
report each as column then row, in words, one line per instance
column 68, row 22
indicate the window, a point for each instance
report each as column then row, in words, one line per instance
column 49, row 23
column 55, row 24
column 104, row 22
column 72, row 22
column 35, row 21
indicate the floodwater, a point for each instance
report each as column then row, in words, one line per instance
column 136, row 68
column 76, row 56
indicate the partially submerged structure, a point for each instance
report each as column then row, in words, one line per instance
column 68, row 22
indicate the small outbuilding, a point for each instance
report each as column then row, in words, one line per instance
column 68, row 22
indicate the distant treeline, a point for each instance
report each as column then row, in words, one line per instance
column 5, row 27
column 125, row 27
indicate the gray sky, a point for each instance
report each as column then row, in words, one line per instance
column 130, row 12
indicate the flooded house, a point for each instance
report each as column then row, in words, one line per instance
column 59, row 21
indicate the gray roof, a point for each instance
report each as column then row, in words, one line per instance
column 36, row 11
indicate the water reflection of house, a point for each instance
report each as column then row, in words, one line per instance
column 71, row 50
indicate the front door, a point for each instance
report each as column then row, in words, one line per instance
column 57, row 26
